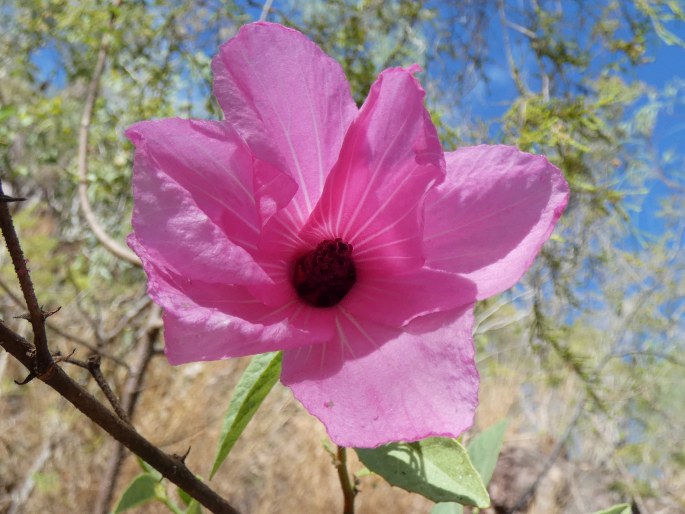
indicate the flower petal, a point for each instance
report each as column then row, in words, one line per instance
column 409, row 388
column 194, row 209
column 374, row 195
column 288, row 100
column 208, row 321
column 493, row 213
column 395, row 301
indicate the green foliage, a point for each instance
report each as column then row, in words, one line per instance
column 484, row 449
column 436, row 468
column 258, row 379
column 623, row 508
column 142, row 490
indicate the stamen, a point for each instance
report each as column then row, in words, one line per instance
column 325, row 275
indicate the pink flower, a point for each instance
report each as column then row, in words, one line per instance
column 342, row 236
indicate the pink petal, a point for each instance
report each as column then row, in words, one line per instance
column 208, row 321
column 194, row 209
column 374, row 195
column 395, row 301
column 404, row 389
column 288, row 100
column 493, row 213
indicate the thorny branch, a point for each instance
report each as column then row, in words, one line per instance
column 59, row 330
column 38, row 360
column 43, row 361
column 147, row 338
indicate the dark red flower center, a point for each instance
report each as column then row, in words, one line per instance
column 325, row 275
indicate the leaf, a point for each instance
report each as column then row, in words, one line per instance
column 621, row 508
column 437, row 468
column 140, row 491
column 484, row 450
column 260, row 376
column 447, row 508
column 193, row 508
column 149, row 469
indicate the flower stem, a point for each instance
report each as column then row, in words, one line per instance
column 349, row 490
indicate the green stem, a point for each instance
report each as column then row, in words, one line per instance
column 349, row 490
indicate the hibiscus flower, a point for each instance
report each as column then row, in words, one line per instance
column 342, row 236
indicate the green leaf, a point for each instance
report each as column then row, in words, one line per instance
column 621, row 508
column 260, row 376
column 140, row 491
column 484, row 450
column 149, row 469
column 193, row 508
column 437, row 468
column 447, row 508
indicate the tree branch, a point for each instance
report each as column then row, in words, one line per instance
column 107, row 241
column 170, row 467
column 57, row 329
column 43, row 360
column 129, row 399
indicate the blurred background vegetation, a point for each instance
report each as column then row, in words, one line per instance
column 584, row 357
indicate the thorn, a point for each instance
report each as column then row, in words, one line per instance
column 28, row 379
column 45, row 314
column 61, row 358
column 182, row 458
column 48, row 313
column 7, row 199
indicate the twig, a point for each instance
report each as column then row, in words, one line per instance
column 93, row 367
column 171, row 468
column 84, row 134
column 515, row 73
column 265, row 10
column 43, row 360
column 349, row 491
column 57, row 329
column 129, row 399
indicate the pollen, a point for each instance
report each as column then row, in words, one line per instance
column 326, row 274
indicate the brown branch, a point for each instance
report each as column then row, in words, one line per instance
column 93, row 367
column 132, row 387
column 38, row 360
column 59, row 330
column 349, row 490
column 43, row 360
column 171, row 468
column 107, row 241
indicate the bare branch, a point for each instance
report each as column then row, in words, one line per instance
column 37, row 318
column 129, row 399
column 265, row 10
column 107, row 241
column 59, row 330
column 171, row 468
column 515, row 73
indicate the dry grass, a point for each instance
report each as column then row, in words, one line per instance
column 280, row 465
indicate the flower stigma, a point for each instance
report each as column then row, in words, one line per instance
column 326, row 274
